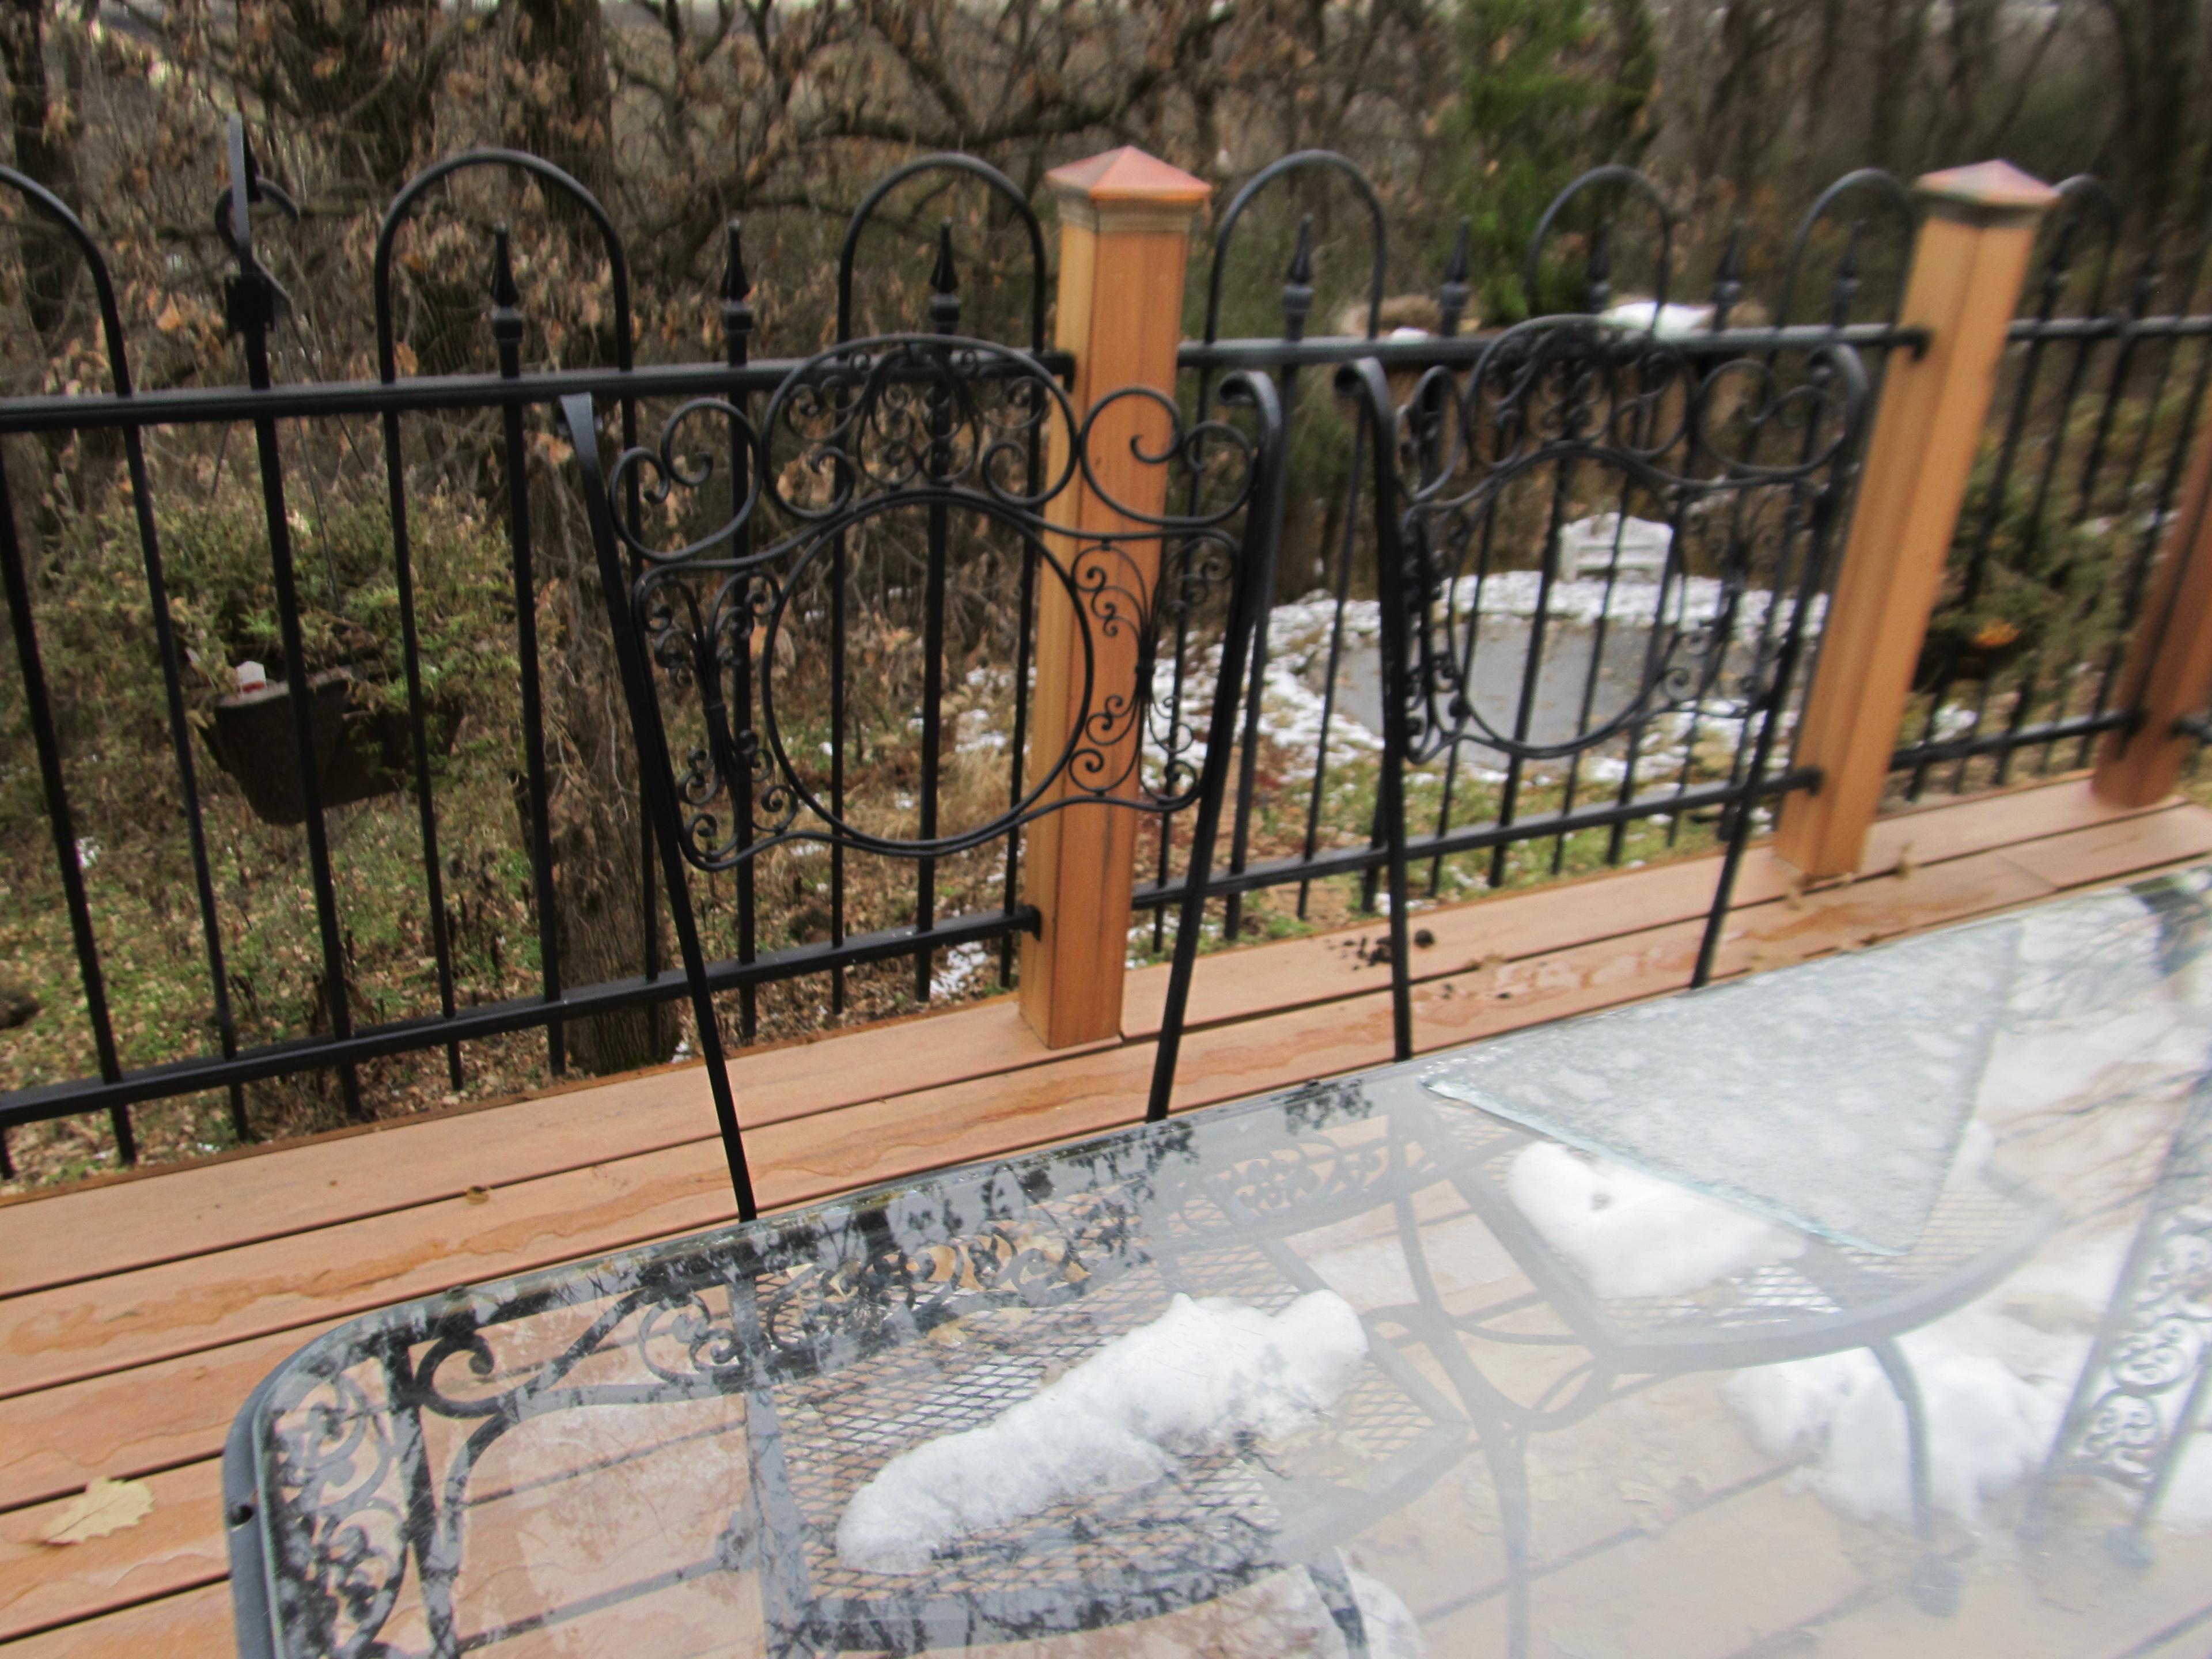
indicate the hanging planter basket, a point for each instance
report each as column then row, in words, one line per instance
column 361, row 743
column 1970, row 651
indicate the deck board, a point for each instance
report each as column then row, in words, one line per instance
column 134, row 1314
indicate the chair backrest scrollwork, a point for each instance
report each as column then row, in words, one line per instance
column 934, row 510
column 1718, row 466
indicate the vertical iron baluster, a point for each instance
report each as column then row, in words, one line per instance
column 426, row 808
column 2054, row 450
column 157, row 596
column 1341, row 594
column 180, row 746
column 837, row 578
column 1597, row 294
column 506, row 335
column 1727, row 295
column 1524, row 713
column 1589, row 703
column 2140, row 288
column 1297, row 304
column 2146, row 543
column 1033, row 475
column 2053, row 285
column 1452, row 297
column 943, row 319
column 1472, row 631
column 249, row 302
column 736, row 347
column 647, row 854
column 59, row 819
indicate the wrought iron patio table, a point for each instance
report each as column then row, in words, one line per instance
column 652, row 1454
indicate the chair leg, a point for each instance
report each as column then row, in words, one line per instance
column 1333, row 1581
column 652, row 740
column 1506, row 1451
column 1936, row 1582
column 1240, row 642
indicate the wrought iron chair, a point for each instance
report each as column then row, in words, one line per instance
column 1830, row 1299
column 1741, row 456
column 973, row 451
column 836, row 1337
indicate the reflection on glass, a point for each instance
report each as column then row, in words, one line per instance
column 1853, row 1309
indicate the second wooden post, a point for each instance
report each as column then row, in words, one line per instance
column 1124, row 222
column 1968, row 264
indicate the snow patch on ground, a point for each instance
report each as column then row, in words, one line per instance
column 1200, row 1377
column 1632, row 1234
column 958, row 967
column 1994, row 1377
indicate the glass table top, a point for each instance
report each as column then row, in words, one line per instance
column 1857, row 1308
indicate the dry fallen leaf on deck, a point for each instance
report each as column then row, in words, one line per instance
column 103, row 1507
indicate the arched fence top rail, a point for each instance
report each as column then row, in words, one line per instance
column 2087, row 206
column 954, row 163
column 52, row 208
column 1322, row 161
column 1892, row 200
column 1597, row 278
column 402, row 209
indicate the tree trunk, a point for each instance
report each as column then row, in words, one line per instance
column 45, row 153
column 561, row 106
column 598, row 846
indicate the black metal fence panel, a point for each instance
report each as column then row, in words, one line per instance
column 389, row 573
column 2073, row 490
column 1562, row 595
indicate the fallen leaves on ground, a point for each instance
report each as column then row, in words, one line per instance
column 103, row 1507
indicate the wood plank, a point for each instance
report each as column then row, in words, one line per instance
column 2071, row 1599
column 2002, row 817
column 132, row 1422
column 2108, row 852
column 179, row 1546
column 1326, row 967
column 887, row 1139
column 193, row 1626
column 111, row 1228
column 50, row 1337
column 1289, row 973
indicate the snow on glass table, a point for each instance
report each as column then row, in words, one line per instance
column 1360, row 1368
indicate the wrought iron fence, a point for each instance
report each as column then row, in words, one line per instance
column 2076, row 479
column 462, row 711
column 393, row 714
column 1566, row 595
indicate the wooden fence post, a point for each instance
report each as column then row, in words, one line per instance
column 2169, row 664
column 1125, row 221
column 1968, row 264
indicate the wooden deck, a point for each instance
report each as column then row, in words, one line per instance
column 135, row 1314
